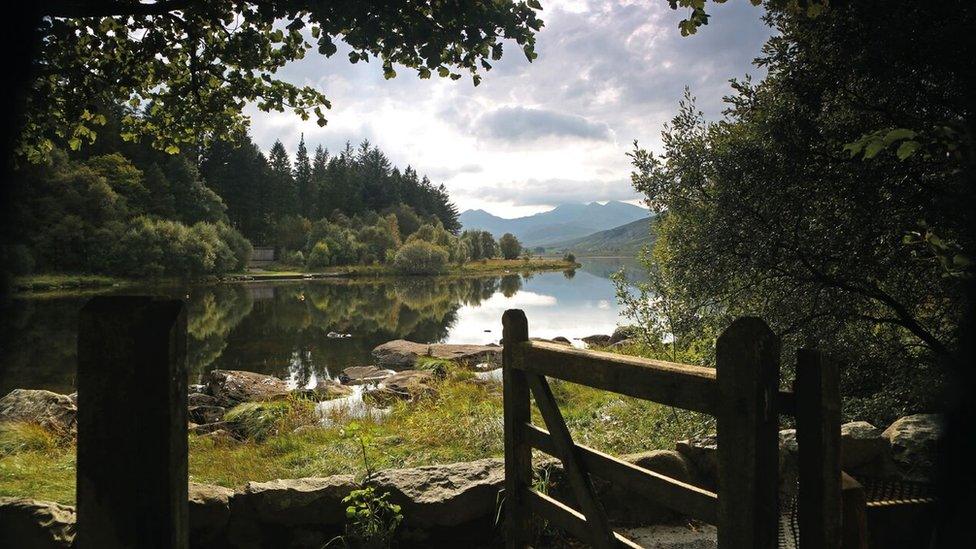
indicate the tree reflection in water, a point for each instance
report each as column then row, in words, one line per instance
column 279, row 328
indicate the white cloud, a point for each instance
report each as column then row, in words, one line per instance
column 535, row 134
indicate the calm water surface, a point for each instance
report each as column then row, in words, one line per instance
column 283, row 328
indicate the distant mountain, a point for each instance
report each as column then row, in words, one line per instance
column 623, row 240
column 565, row 222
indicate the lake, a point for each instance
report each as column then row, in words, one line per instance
column 290, row 329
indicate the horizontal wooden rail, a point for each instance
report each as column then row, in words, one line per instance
column 681, row 385
column 685, row 498
column 566, row 517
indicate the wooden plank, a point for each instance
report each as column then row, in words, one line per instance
column 854, row 524
column 132, row 424
column 818, row 436
column 786, row 403
column 747, row 363
column 680, row 385
column 685, row 498
column 518, row 454
column 599, row 532
column 567, row 518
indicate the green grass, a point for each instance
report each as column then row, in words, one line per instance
column 464, row 422
column 56, row 282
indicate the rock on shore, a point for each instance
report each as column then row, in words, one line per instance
column 52, row 410
column 401, row 354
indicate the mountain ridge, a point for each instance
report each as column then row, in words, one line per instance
column 564, row 222
column 627, row 239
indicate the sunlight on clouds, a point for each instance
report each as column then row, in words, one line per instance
column 608, row 72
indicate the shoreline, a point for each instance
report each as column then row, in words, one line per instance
column 59, row 283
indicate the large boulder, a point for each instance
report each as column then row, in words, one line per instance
column 702, row 453
column 364, row 375
column 597, row 339
column 52, row 410
column 446, row 498
column 31, row 524
column 861, row 444
column 294, row 502
column 626, row 506
column 409, row 385
column 401, row 354
column 622, row 333
column 209, row 514
column 914, row 444
column 232, row 387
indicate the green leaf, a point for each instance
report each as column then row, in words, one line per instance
column 74, row 143
column 172, row 149
column 873, row 148
column 855, row 147
column 907, row 149
column 898, row 134
column 534, row 4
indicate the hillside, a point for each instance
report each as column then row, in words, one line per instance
column 563, row 223
column 623, row 240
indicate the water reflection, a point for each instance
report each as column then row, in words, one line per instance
column 283, row 328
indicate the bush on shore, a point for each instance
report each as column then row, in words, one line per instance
column 420, row 257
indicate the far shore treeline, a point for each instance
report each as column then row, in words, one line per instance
column 126, row 209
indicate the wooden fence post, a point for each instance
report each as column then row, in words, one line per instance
column 132, row 424
column 818, row 436
column 747, row 362
column 518, row 454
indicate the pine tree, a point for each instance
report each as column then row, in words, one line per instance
column 320, row 183
column 284, row 198
column 304, row 184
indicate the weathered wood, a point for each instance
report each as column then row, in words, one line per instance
column 518, row 454
column 685, row 498
column 818, row 436
column 132, row 424
column 786, row 403
column 600, row 534
column 747, row 358
column 567, row 518
column 680, row 385
column 853, row 514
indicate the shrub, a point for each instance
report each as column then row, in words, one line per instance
column 510, row 246
column 158, row 247
column 569, row 258
column 371, row 519
column 293, row 258
column 420, row 257
column 319, row 256
column 240, row 246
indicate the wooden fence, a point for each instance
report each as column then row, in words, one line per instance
column 743, row 394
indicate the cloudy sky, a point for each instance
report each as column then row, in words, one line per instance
column 534, row 135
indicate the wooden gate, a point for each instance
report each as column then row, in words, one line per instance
column 743, row 394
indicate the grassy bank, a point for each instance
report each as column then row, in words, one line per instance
column 74, row 283
column 464, row 422
column 483, row 266
column 61, row 282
